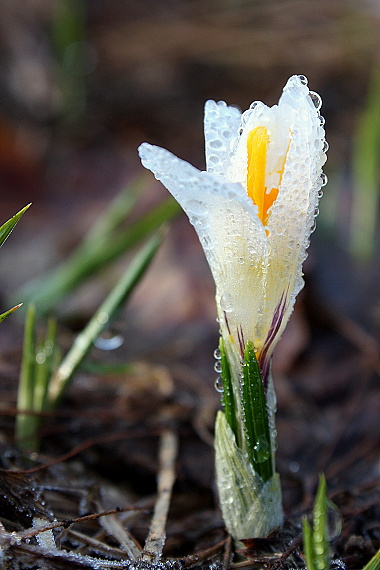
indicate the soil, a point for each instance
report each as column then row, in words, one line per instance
column 92, row 486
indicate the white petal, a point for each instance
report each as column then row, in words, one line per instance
column 292, row 216
column 229, row 230
column 221, row 124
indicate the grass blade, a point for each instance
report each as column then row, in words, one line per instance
column 308, row 545
column 255, row 416
column 3, row 316
column 94, row 256
column 315, row 540
column 366, row 174
column 374, row 563
column 228, row 397
column 101, row 318
column 26, row 424
column 6, row 228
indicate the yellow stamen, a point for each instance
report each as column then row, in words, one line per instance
column 257, row 146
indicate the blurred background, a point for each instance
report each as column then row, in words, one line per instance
column 83, row 83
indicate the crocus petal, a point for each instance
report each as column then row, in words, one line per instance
column 230, row 232
column 221, row 125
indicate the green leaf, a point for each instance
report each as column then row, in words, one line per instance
column 255, row 415
column 320, row 527
column 308, row 545
column 366, row 174
column 228, row 397
column 250, row 507
column 374, row 563
column 6, row 228
column 45, row 363
column 102, row 317
column 95, row 254
column 316, row 541
column 26, row 424
column 3, row 316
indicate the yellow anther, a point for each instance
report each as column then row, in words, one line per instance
column 257, row 146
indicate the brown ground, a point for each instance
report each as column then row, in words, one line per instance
column 149, row 68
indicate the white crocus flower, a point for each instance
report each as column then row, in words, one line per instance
column 254, row 207
column 254, row 210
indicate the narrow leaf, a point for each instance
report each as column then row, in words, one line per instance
column 308, row 545
column 320, row 527
column 255, row 415
column 228, row 398
column 25, row 424
column 3, row 316
column 374, row 563
column 102, row 317
column 45, row 359
column 6, row 228
column 366, row 174
column 95, row 256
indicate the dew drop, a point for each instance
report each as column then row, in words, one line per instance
column 226, row 303
column 321, row 120
column 218, row 366
column 334, row 522
column 324, row 179
column 325, row 147
column 218, row 384
column 317, row 101
column 303, row 79
column 109, row 342
column 262, row 449
column 217, row 354
column 253, row 105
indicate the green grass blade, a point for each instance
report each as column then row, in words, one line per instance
column 45, row 360
column 308, row 545
column 374, row 563
column 47, row 293
column 6, row 228
column 255, row 416
column 117, row 212
column 320, row 527
column 228, row 398
column 3, row 316
column 26, row 424
column 102, row 317
column 366, row 175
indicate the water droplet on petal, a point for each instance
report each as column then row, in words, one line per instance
column 324, row 179
column 325, row 147
column 218, row 384
column 303, row 79
column 316, row 99
column 218, row 366
column 226, row 303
